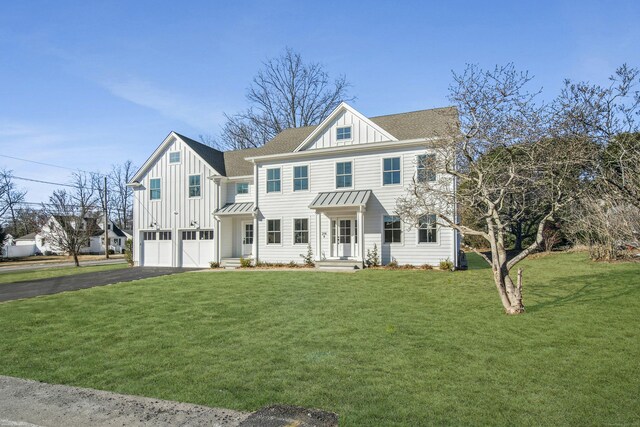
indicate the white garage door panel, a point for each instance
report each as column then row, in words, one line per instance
column 157, row 253
column 196, row 252
column 190, row 253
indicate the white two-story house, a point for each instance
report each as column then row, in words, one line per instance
column 331, row 187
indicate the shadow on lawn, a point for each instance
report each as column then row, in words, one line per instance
column 582, row 289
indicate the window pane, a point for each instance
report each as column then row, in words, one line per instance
column 174, row 157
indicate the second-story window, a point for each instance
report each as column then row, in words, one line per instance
column 343, row 133
column 194, row 185
column 344, row 177
column 426, row 168
column 300, row 178
column 242, row 188
column 154, row 189
column 273, row 180
column 174, row 157
column 391, row 171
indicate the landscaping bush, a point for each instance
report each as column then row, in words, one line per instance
column 128, row 252
column 446, row 265
column 245, row 262
column 372, row 260
column 214, row 264
column 292, row 264
column 393, row 264
column 308, row 257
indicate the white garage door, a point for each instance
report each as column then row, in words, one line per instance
column 197, row 248
column 157, row 250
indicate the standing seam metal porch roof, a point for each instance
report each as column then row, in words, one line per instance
column 235, row 209
column 334, row 199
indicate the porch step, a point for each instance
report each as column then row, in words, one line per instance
column 230, row 263
column 339, row 264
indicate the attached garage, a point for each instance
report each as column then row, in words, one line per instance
column 157, row 249
column 197, row 248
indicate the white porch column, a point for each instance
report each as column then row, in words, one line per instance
column 254, row 245
column 216, row 236
column 361, row 233
column 318, row 236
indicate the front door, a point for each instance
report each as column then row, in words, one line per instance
column 247, row 238
column 345, row 238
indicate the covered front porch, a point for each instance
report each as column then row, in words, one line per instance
column 345, row 211
column 235, row 228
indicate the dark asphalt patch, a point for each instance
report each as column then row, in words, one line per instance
column 54, row 285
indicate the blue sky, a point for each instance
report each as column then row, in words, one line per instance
column 89, row 83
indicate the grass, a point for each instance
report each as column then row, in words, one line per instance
column 45, row 273
column 378, row 347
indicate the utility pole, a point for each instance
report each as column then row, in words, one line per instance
column 106, row 221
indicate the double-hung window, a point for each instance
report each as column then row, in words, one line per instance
column 194, row 185
column 391, row 171
column 274, row 233
column 392, row 229
column 154, row 187
column 273, row 180
column 344, row 175
column 300, row 231
column 242, row 188
column 427, row 232
column 426, row 167
column 300, row 178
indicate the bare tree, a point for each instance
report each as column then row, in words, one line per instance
column 28, row 220
column 73, row 217
column 10, row 196
column 504, row 155
column 121, row 196
column 608, row 116
column 286, row 93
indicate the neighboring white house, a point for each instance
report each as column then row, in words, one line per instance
column 332, row 187
column 45, row 242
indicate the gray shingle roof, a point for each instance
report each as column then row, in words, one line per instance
column 29, row 236
column 334, row 199
column 210, row 155
column 412, row 125
column 235, row 209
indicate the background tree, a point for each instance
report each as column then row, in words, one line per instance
column 607, row 220
column 75, row 214
column 121, row 196
column 286, row 93
column 28, row 220
column 505, row 155
column 10, row 197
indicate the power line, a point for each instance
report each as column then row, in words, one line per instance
column 44, row 182
column 49, row 164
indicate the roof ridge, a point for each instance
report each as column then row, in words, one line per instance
column 414, row 111
column 197, row 142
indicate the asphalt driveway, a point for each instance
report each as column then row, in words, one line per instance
column 33, row 288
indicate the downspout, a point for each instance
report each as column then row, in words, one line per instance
column 256, row 214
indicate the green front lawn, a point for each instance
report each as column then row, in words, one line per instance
column 45, row 273
column 378, row 347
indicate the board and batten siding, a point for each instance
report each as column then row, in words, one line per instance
column 362, row 132
column 367, row 175
column 175, row 210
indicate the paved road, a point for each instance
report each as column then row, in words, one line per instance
column 28, row 289
column 35, row 265
column 25, row 403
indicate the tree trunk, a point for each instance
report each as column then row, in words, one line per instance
column 75, row 259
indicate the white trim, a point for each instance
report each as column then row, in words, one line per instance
column 266, row 231
column 293, row 231
column 344, row 140
column 189, row 197
column 179, row 157
column 353, row 173
column 159, row 199
column 293, row 177
column 170, row 139
column 331, row 117
column 382, row 159
column 266, row 180
column 402, row 231
column 371, row 146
